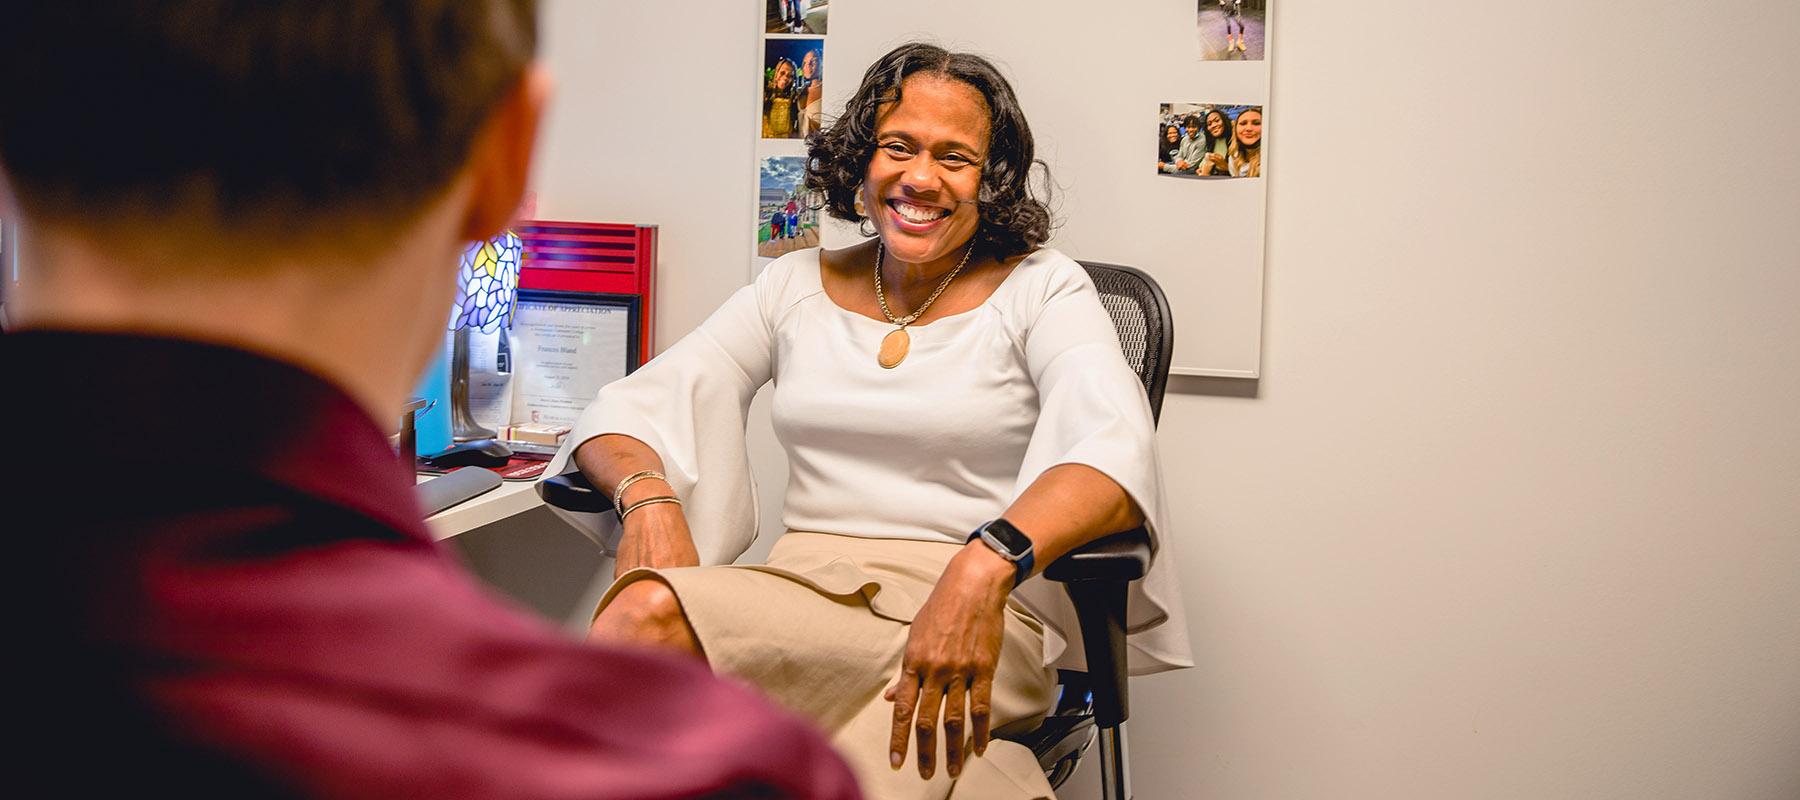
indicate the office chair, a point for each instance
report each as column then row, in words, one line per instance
column 1095, row 575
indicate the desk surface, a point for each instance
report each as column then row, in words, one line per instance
column 513, row 497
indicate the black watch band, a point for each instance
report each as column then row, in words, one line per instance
column 1005, row 539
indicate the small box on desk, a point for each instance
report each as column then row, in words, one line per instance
column 534, row 439
column 535, row 433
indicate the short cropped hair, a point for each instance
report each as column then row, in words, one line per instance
column 279, row 118
column 1014, row 220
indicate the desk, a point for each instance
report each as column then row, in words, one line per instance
column 515, row 544
column 511, row 499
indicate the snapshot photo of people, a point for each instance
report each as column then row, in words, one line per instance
column 797, row 16
column 1209, row 140
column 1232, row 30
column 793, row 87
column 783, row 220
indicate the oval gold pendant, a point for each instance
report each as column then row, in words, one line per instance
column 894, row 347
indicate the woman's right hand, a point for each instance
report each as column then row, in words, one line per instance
column 656, row 536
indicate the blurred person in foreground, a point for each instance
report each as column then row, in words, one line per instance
column 243, row 223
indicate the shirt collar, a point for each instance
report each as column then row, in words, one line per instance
column 172, row 404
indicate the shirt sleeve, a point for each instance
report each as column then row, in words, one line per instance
column 1092, row 407
column 1093, row 411
column 689, row 404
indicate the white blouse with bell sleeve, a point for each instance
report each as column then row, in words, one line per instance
column 984, row 403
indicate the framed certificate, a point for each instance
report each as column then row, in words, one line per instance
column 565, row 346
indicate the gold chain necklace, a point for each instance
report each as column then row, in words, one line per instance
column 898, row 342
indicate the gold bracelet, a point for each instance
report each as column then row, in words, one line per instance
column 648, row 501
column 619, row 492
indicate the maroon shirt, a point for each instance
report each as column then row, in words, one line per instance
column 226, row 588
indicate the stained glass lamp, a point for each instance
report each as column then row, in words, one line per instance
column 487, row 284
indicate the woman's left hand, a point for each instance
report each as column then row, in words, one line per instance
column 952, row 649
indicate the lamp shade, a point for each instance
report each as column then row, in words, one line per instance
column 487, row 283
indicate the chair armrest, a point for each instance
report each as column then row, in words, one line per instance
column 1096, row 576
column 1122, row 556
column 573, row 492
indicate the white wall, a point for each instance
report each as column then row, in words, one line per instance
column 1513, row 511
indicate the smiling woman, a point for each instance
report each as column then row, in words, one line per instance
column 1017, row 217
column 947, row 375
column 925, row 173
column 1246, row 143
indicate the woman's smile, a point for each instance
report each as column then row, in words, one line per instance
column 917, row 216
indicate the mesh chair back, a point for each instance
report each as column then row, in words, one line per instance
column 1140, row 312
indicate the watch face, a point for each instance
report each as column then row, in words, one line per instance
column 1016, row 543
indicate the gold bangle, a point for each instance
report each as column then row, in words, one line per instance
column 619, row 492
column 648, row 501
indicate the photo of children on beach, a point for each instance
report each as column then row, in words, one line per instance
column 1195, row 140
column 783, row 221
column 793, row 87
column 1232, row 30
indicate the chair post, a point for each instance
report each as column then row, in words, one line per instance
column 1115, row 783
column 1097, row 577
column 1100, row 608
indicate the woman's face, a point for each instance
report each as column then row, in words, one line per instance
column 784, row 75
column 1174, row 134
column 925, row 175
column 1215, row 124
column 1249, row 128
column 809, row 65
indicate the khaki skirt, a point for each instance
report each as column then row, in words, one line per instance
column 821, row 628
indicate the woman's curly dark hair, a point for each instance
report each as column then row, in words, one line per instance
column 1014, row 221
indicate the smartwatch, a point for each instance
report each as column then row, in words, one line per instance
column 1011, row 544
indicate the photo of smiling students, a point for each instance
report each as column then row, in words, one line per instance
column 1209, row 140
